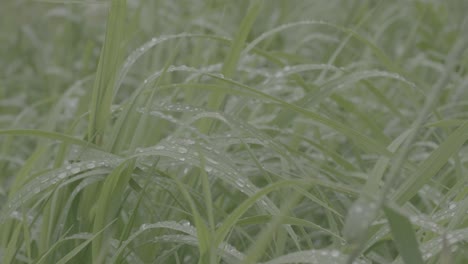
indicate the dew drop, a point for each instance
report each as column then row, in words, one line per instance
column 335, row 253
column 75, row 170
column 62, row 175
column 240, row 183
column 184, row 223
column 452, row 239
column 91, row 166
column 159, row 148
column 373, row 205
column 358, row 209
column 279, row 74
column 211, row 161
column 182, row 150
column 413, row 219
column 15, row 214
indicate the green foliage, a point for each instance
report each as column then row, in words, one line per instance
column 233, row 131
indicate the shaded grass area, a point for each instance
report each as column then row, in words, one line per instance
column 233, row 132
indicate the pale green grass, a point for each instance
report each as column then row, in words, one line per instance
column 136, row 131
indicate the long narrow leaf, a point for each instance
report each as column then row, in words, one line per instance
column 404, row 236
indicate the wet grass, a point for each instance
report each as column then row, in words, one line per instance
column 233, row 132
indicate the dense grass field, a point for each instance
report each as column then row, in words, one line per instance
column 260, row 131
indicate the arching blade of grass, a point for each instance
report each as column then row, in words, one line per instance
column 404, row 236
column 231, row 220
column 81, row 246
column 384, row 59
column 432, row 165
column 106, row 75
column 23, row 175
column 50, row 135
column 287, row 220
column 362, row 141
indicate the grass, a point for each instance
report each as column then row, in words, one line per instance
column 138, row 131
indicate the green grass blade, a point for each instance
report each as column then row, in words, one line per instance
column 432, row 164
column 81, row 246
column 109, row 202
column 230, row 64
column 373, row 183
column 404, row 236
column 11, row 250
column 106, row 75
column 231, row 220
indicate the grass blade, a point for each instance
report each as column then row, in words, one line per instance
column 404, row 236
column 432, row 164
column 106, row 75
